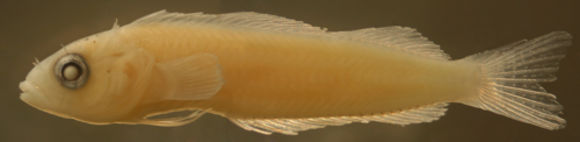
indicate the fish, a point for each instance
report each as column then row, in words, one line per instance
column 271, row 74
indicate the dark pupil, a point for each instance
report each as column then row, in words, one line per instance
column 73, row 65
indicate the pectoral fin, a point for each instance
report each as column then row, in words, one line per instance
column 194, row 77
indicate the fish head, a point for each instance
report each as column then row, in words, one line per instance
column 98, row 79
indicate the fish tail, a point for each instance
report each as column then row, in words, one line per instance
column 511, row 77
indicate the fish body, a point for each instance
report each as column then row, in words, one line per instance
column 297, row 76
column 271, row 74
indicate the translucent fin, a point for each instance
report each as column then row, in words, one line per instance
column 396, row 37
column 249, row 20
column 195, row 77
column 512, row 75
column 291, row 126
column 172, row 118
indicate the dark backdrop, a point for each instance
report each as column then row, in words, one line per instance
column 462, row 27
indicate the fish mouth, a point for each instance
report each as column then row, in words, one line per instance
column 32, row 96
column 26, row 86
column 29, row 92
column 27, row 89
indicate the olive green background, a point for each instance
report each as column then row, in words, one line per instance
column 38, row 28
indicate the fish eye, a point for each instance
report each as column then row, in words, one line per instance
column 71, row 71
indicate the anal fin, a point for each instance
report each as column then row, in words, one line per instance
column 291, row 126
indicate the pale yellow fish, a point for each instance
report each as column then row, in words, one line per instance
column 271, row 74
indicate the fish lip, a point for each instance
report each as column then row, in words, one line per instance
column 28, row 87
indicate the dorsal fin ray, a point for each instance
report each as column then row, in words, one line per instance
column 290, row 126
column 251, row 20
column 395, row 37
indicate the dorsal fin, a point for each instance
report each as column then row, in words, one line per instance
column 401, row 38
column 251, row 20
column 291, row 126
column 396, row 37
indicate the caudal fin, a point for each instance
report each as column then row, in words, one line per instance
column 512, row 75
